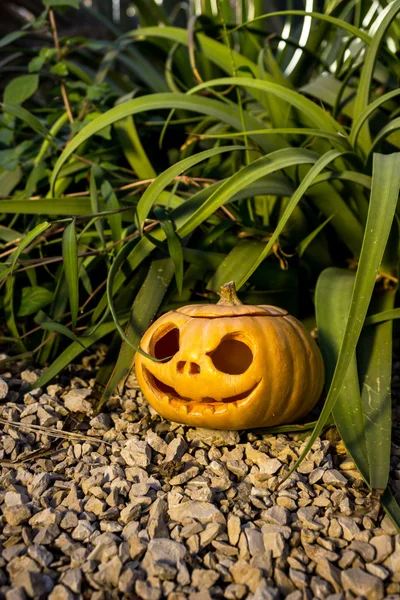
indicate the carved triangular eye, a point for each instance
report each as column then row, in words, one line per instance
column 231, row 356
column 167, row 345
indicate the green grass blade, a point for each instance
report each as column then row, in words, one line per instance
column 214, row 108
column 27, row 117
column 49, row 325
column 175, row 252
column 28, row 239
column 302, row 247
column 383, row 201
column 73, row 351
column 312, row 111
column 144, row 309
column 96, row 172
column 133, row 149
column 370, row 109
column 70, row 260
column 261, row 167
column 164, row 179
column 364, row 86
column 112, row 204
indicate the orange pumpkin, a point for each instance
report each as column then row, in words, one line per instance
column 230, row 365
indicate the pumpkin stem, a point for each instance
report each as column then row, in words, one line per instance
column 228, row 295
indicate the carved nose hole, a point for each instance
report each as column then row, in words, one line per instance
column 194, row 368
column 188, row 367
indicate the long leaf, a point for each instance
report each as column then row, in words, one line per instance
column 70, row 260
column 144, row 308
column 383, row 201
column 363, row 89
column 332, row 301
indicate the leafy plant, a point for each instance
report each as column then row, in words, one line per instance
column 235, row 152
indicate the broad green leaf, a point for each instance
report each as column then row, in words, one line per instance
column 236, row 264
column 383, row 200
column 70, row 259
column 20, row 89
column 332, row 301
column 33, row 299
column 175, row 251
column 374, row 355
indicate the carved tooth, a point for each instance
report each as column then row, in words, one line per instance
column 209, row 410
column 220, row 408
column 183, row 409
column 242, row 402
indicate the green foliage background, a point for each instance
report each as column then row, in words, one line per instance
column 142, row 172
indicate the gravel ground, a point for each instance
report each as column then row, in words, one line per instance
column 125, row 505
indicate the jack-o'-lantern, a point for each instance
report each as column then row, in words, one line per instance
column 230, row 365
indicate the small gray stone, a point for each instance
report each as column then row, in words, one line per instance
column 330, row 573
column 61, row 593
column 75, row 401
column 108, row 574
column 235, row 591
column 204, row 578
column 214, row 437
column 101, row 422
column 275, row 543
column 383, row 545
column 73, row 580
column 234, row 527
column 176, row 449
column 39, row 484
column 3, row 389
column 378, row 571
column 363, row 584
column 47, row 417
column 16, row 593
column 15, row 515
column 349, row 527
column 365, row 550
column 156, row 442
column 136, row 453
column 156, row 525
column 47, row 535
column 276, row 515
column 243, row 573
column 83, row 531
column 146, row 591
column 205, row 512
column 41, row 555
column 35, row 584
column 265, row 592
column 334, row 477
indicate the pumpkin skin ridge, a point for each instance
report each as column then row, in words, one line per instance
column 280, row 394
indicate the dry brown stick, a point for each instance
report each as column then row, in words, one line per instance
column 57, row 47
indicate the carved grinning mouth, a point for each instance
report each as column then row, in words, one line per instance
column 169, row 394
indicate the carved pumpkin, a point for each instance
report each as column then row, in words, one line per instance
column 230, row 366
